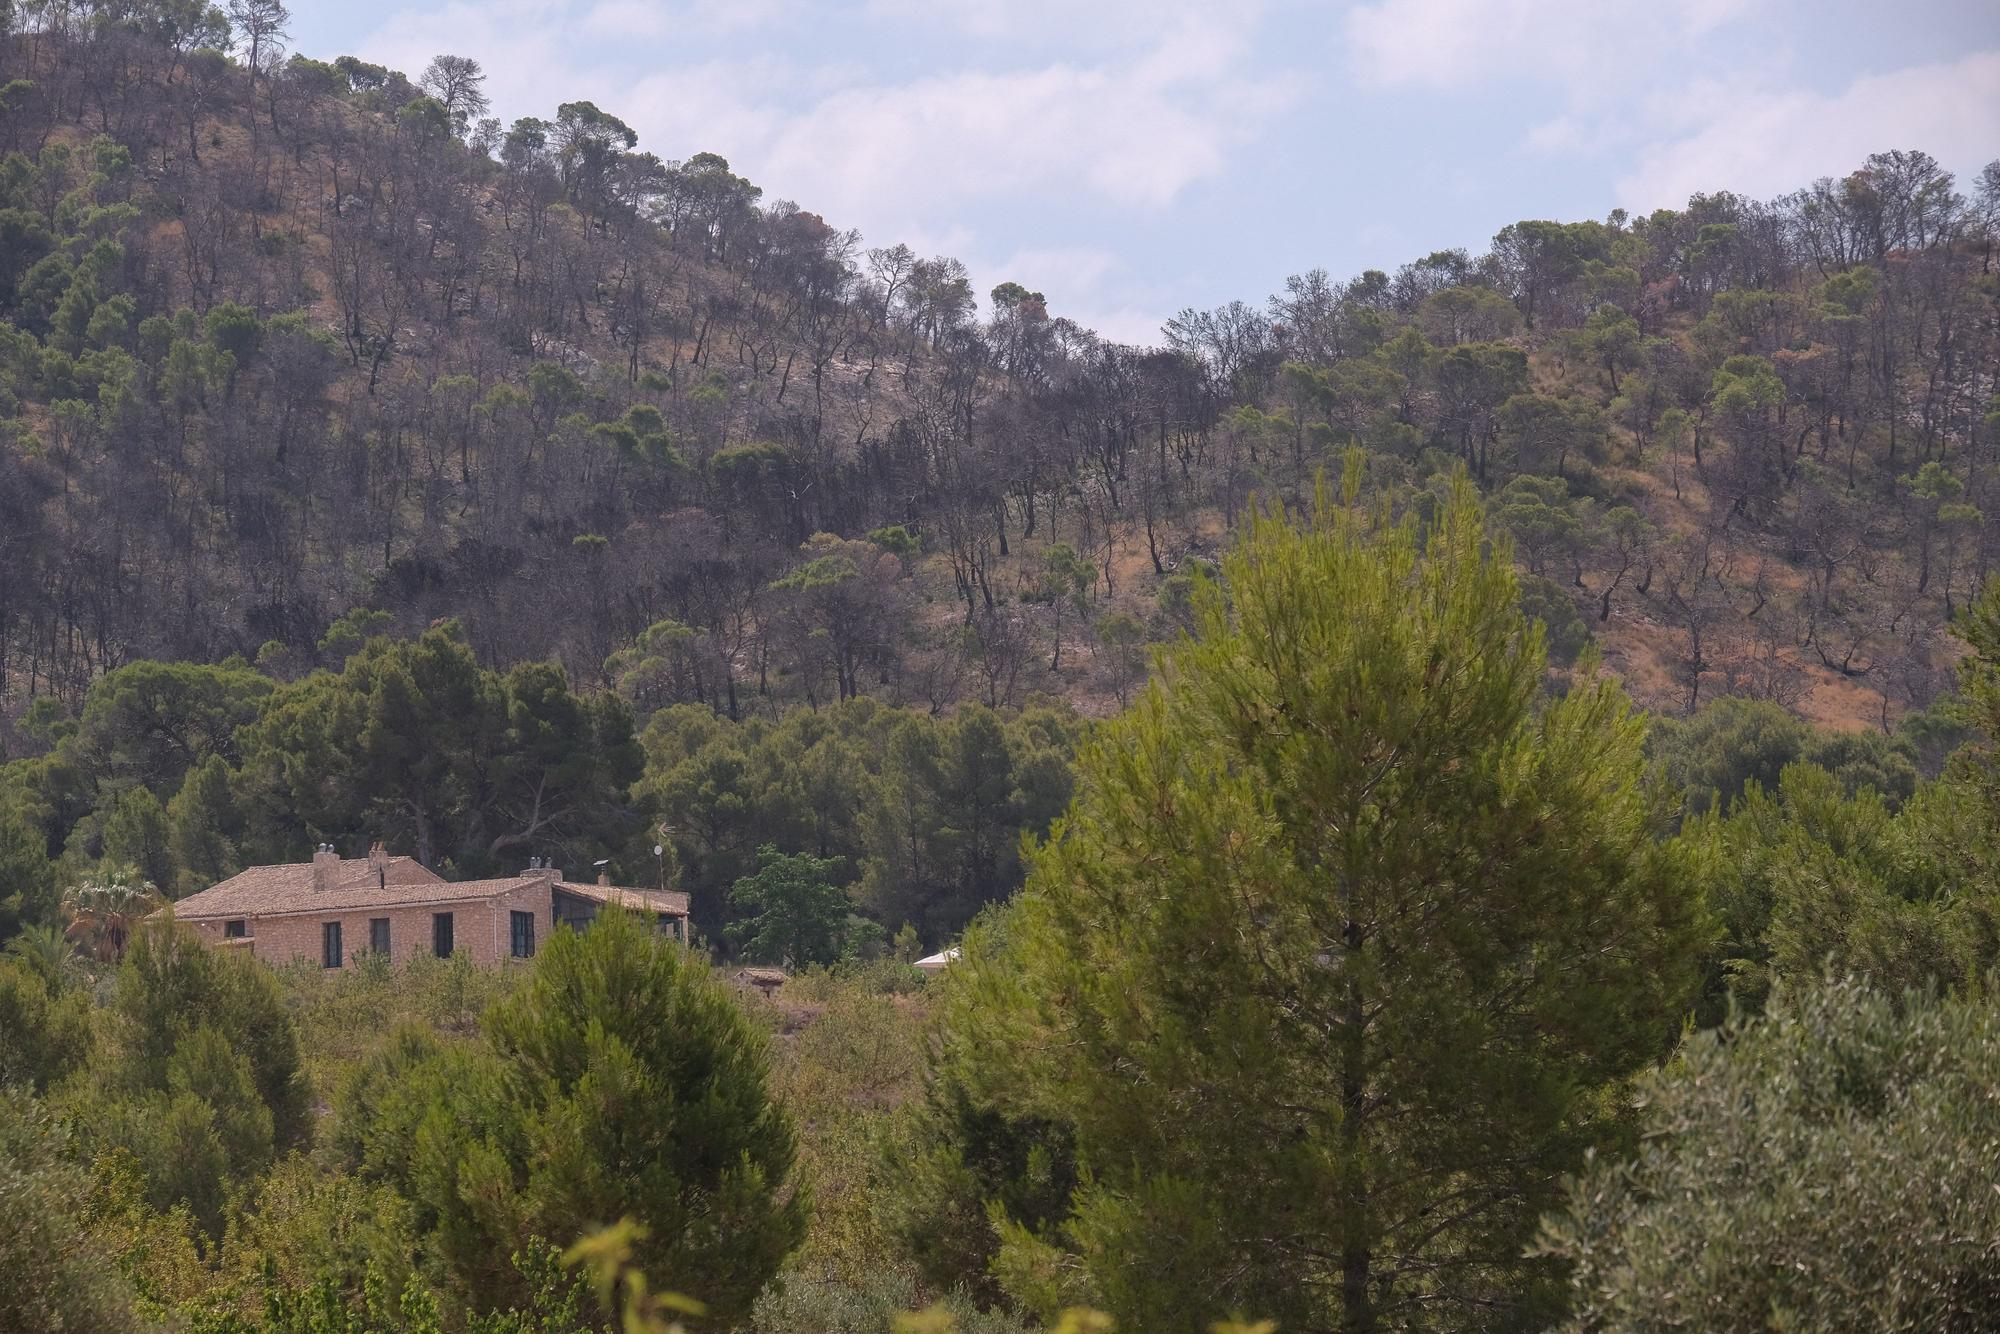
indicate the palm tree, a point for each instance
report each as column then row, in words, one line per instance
column 46, row 952
column 101, row 913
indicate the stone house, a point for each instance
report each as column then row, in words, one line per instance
column 333, row 909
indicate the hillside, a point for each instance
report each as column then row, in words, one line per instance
column 1459, row 799
column 307, row 350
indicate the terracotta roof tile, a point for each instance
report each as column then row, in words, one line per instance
column 263, row 891
column 667, row 902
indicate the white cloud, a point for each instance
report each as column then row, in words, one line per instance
column 1588, row 46
column 1091, row 25
column 1122, row 134
column 1060, row 268
column 626, row 20
column 1763, row 143
column 539, row 53
column 650, row 20
column 516, row 41
column 1090, row 285
column 1134, row 128
column 921, row 155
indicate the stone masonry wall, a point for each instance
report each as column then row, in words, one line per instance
column 481, row 928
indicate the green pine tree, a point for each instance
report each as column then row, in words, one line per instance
column 1343, row 953
column 136, row 834
column 203, row 826
column 620, row 1081
column 28, row 893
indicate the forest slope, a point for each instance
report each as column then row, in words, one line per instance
column 293, row 354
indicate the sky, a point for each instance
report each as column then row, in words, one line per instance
column 1129, row 158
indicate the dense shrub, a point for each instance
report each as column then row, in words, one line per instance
column 51, row 1282
column 1829, row 1166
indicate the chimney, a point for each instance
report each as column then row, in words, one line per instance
column 604, row 877
column 539, row 867
column 326, row 867
column 378, row 862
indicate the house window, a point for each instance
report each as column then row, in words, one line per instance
column 378, row 934
column 441, row 934
column 329, row 944
column 524, row 935
column 235, row 929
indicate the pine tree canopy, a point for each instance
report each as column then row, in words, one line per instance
column 1344, row 951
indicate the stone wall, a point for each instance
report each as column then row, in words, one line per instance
column 481, row 928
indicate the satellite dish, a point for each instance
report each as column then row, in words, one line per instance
column 657, row 849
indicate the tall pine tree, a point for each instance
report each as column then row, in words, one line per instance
column 1340, row 958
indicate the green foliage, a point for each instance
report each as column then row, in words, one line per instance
column 45, row 1032
column 1473, row 381
column 372, row 1302
column 897, row 540
column 303, row 1224
column 1124, row 638
column 136, row 834
column 837, row 613
column 958, row 1172
column 860, row 1055
column 794, row 913
column 171, row 989
column 1337, row 851
column 353, row 629
column 1714, row 757
column 942, row 840
column 47, row 952
column 150, row 722
column 199, row 1135
column 1064, row 581
column 1865, row 761
column 621, row 1080
column 1731, row 743
column 204, row 828
column 234, row 329
column 1546, row 435
column 1811, row 876
column 1178, row 595
column 104, row 910
column 671, row 463
column 51, row 1282
column 415, row 742
column 1979, row 688
column 1564, row 630
column 802, row 1305
column 1545, row 522
column 1463, row 314
column 1613, row 339
column 206, row 1081
column 28, row 894
column 424, row 117
column 668, row 663
column 1745, row 388
column 1825, row 1167
column 925, row 813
